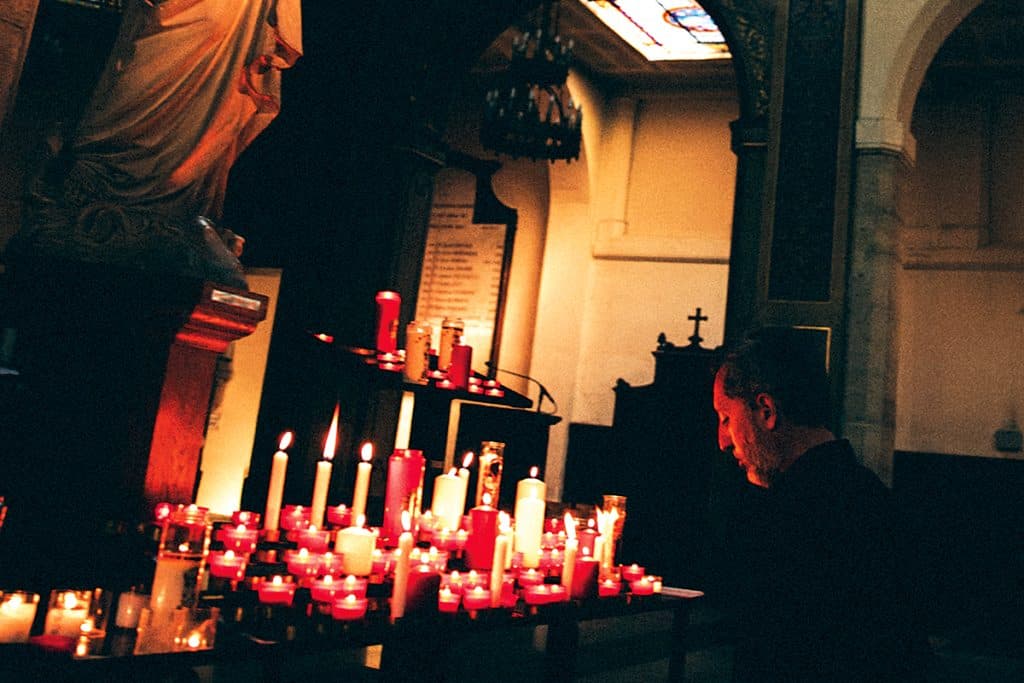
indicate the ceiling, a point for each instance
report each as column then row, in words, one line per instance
column 610, row 62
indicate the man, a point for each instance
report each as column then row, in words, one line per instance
column 819, row 595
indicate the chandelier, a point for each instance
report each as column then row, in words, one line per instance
column 529, row 113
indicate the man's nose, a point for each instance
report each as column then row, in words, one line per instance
column 724, row 441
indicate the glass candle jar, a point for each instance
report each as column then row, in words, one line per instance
column 180, row 573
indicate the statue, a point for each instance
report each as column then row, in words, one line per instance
column 187, row 87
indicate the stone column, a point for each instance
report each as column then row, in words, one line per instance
column 869, row 397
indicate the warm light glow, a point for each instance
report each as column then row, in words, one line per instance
column 361, row 521
column 468, row 459
column 534, row 471
column 328, row 579
column 70, row 600
column 570, row 526
column 452, row 472
column 406, row 520
column 12, row 603
column 277, row 580
column 331, row 443
column 285, row 441
column 324, row 337
column 229, row 555
column 366, row 452
column 486, row 498
column 350, row 599
column 194, row 640
column 303, row 553
column 504, row 522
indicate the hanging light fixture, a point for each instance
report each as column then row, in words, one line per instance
column 529, row 113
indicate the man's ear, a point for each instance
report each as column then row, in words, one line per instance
column 767, row 410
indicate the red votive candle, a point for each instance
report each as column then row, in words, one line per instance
column 325, row 589
column 227, row 565
column 352, row 585
column 480, row 544
column 330, row 564
column 453, row 582
column 349, row 608
column 240, row 539
column 277, row 591
column 403, row 492
column 339, row 516
column 477, row 598
column 249, row 519
column 447, row 600
column 302, row 563
column 459, row 370
column 558, row 593
column 609, row 588
column 294, row 517
column 584, row 578
column 632, row 572
column 530, row 577
column 538, row 594
column 643, row 586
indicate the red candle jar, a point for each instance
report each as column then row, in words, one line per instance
column 352, row 585
column 459, row 370
column 302, row 563
column 294, row 517
column 325, row 590
column 643, row 586
column 388, row 305
column 404, row 491
column 349, row 608
column 477, row 598
column 339, row 516
column 249, row 519
column 530, row 577
column 584, row 578
column 587, row 537
column 558, row 593
column 312, row 539
column 609, row 588
column 422, row 587
column 239, row 539
column 453, row 582
column 483, row 520
column 227, row 565
column 448, row 601
column 330, row 564
column 633, row 572
column 538, row 594
column 277, row 591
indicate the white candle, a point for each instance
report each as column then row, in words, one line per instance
column 323, row 473
column 445, row 506
column 400, row 590
column 501, row 543
column 65, row 618
column 275, row 490
column 129, row 607
column 17, row 612
column 363, row 471
column 529, row 518
column 355, row 545
column 572, row 546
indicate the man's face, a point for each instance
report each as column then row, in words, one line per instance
column 745, row 431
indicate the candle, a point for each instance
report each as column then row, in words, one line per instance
column 477, row 598
column 322, row 480
column 401, row 584
column 587, row 538
column 294, row 517
column 388, row 304
column 356, row 544
column 529, row 517
column 339, row 516
column 129, row 607
column 352, row 585
column 302, row 563
column 447, row 601
column 240, row 539
column 68, row 611
column 501, row 547
column 277, row 591
column 460, row 368
column 557, row 593
column 488, row 478
column 225, row 565
column 17, row 612
column 642, row 586
column 249, row 519
column 417, row 344
column 538, row 594
column 445, row 505
column 349, row 608
column 363, row 471
column 571, row 547
column 324, row 589
column 312, row 539
column 530, row 577
column 424, row 581
column 403, row 492
column 330, row 565
column 609, row 588
column 584, row 578
column 275, row 490
column 633, row 572
column 480, row 545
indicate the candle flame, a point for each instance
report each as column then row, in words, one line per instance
column 229, row 554
column 331, row 443
column 570, row 526
column 70, row 600
column 534, row 471
column 468, row 459
column 504, row 522
column 361, row 521
column 328, row 579
column 406, row 520
column 486, row 498
column 350, row 598
column 452, row 472
column 194, row 640
column 285, row 441
column 277, row 580
column 366, row 452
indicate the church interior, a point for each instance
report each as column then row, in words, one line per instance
column 840, row 170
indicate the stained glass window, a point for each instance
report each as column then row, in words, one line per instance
column 663, row 29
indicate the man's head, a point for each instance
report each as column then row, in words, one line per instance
column 772, row 400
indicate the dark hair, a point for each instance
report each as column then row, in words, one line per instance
column 778, row 364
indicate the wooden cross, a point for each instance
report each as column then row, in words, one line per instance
column 696, row 339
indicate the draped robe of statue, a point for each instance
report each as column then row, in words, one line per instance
column 188, row 85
